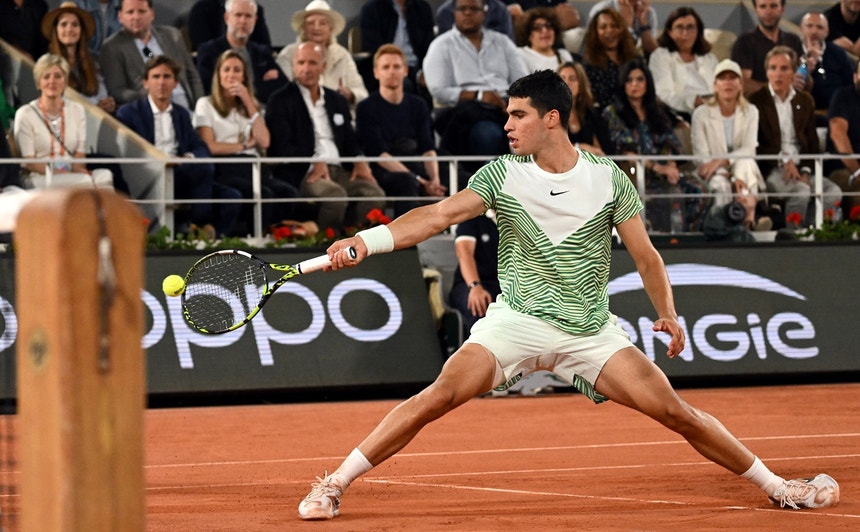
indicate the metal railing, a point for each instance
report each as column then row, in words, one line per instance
column 165, row 203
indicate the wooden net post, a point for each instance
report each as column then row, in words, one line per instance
column 81, row 370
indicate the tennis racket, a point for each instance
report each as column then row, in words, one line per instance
column 226, row 289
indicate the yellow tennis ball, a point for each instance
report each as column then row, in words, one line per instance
column 173, row 285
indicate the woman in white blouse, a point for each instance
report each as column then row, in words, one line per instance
column 725, row 137
column 683, row 65
column 538, row 35
column 230, row 124
column 52, row 127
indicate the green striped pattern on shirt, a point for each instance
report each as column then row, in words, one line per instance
column 555, row 235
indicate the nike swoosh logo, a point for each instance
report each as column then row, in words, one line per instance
column 554, row 193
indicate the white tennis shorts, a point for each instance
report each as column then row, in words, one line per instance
column 523, row 344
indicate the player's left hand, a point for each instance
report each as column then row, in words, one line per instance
column 671, row 326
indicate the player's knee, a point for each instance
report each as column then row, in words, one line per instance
column 438, row 399
column 682, row 418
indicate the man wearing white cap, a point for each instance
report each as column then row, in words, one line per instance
column 320, row 24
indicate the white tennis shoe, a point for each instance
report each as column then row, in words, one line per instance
column 323, row 501
column 822, row 491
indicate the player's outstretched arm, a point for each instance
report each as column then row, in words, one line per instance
column 655, row 279
column 415, row 226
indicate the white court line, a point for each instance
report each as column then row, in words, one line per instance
column 495, row 451
column 600, row 497
column 601, row 467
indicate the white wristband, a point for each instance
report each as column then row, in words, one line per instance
column 377, row 239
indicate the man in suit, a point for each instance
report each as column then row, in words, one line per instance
column 241, row 17
column 781, row 106
column 124, row 54
column 308, row 120
column 168, row 127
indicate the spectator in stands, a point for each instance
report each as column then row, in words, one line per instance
column 206, row 22
column 124, row 54
column 68, row 30
column 231, row 124
column 584, row 127
column 241, row 18
column 565, row 12
column 638, row 16
column 10, row 176
column 725, row 136
column 684, row 62
column 406, row 23
column 320, row 24
column 7, row 111
column 496, row 17
column 844, row 119
column 391, row 123
column 468, row 69
column 476, row 279
column 105, row 14
column 843, row 19
column 640, row 124
column 21, row 25
column 751, row 48
column 829, row 67
column 787, row 128
column 168, row 127
column 607, row 46
column 538, row 34
column 56, row 128
column 307, row 119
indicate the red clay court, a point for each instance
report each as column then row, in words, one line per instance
column 555, row 462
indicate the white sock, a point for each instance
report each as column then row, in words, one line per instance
column 355, row 465
column 761, row 476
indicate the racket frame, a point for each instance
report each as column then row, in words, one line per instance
column 307, row 266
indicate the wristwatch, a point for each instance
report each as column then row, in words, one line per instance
column 473, row 284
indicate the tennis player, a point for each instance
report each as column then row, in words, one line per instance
column 556, row 207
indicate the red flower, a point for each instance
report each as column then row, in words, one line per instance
column 795, row 218
column 282, row 233
column 855, row 213
column 374, row 215
column 329, row 233
column 828, row 215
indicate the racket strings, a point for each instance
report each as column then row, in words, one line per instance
column 221, row 291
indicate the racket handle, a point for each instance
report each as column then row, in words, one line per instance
column 318, row 263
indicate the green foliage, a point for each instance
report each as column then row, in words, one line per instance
column 829, row 231
column 162, row 240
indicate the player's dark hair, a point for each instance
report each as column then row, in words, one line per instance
column 546, row 91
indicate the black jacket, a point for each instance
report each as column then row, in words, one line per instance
column 292, row 130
